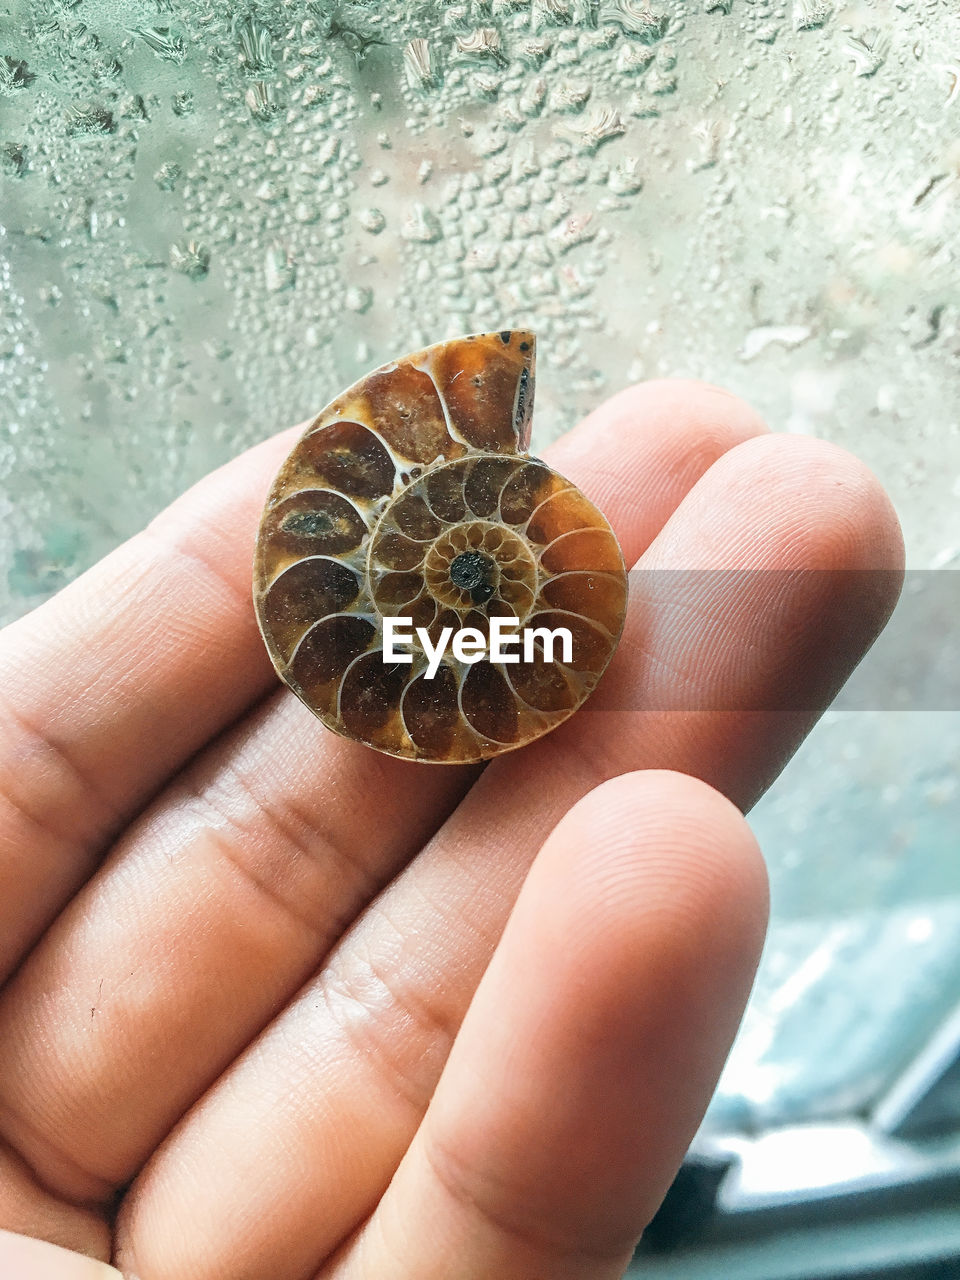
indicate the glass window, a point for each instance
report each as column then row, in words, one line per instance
column 213, row 216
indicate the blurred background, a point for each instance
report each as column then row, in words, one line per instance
column 215, row 215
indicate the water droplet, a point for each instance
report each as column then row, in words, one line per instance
column 788, row 335
column 372, row 220
column 13, row 159
column 533, row 97
column 89, row 117
column 190, row 259
column 516, row 198
column 358, row 298
column 305, row 212
column 634, row 58
column 165, row 42
column 570, row 95
column 571, row 231
column 604, row 124
column 271, row 192
column 484, row 43
column 635, row 18
column 419, row 64
column 486, row 84
column 661, row 84
column 314, row 94
column 254, row 40
column 868, row 50
column 534, row 50
column 261, row 99
column 279, row 269
column 421, row 225
column 132, row 107
column 625, row 178
column 166, row 176
column 14, row 74
column 810, row 14
column 488, row 141
column 482, row 256
column 329, row 150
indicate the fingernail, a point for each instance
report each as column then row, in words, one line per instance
column 30, row 1259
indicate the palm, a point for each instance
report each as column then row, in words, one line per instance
column 239, row 949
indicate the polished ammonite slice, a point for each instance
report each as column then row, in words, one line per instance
column 412, row 497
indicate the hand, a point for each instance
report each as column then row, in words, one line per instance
column 281, row 1008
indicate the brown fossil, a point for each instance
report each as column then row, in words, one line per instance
column 412, row 495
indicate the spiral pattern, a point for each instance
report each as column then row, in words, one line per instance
column 412, row 496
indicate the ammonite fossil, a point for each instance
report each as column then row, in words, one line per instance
column 412, row 497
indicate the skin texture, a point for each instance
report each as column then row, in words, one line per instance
column 279, row 1007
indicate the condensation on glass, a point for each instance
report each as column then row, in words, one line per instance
column 214, row 216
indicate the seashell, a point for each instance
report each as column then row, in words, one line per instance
column 412, row 495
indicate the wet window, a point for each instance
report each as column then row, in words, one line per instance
column 214, row 216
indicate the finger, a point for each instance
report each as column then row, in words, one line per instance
column 590, row 1050
column 28, row 1259
column 748, row 614
column 374, row 1030
column 644, row 449
column 107, row 688
column 225, row 897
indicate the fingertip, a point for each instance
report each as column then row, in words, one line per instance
column 716, row 411
column 785, row 562
column 841, row 514
column 687, row 405
column 663, row 843
column 691, row 423
column 658, row 793
column 640, row 452
column 616, row 991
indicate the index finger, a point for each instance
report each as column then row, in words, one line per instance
column 110, row 686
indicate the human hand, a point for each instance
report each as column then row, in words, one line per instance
column 274, row 1009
